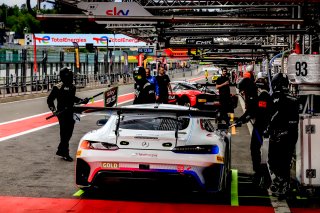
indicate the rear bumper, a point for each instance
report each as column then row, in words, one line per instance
column 165, row 176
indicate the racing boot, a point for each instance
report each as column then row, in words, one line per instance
column 60, row 153
column 67, row 158
column 275, row 186
column 257, row 180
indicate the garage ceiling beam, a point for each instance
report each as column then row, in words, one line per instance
column 227, row 46
column 173, row 19
column 232, row 32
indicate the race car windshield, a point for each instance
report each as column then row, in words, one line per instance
column 154, row 123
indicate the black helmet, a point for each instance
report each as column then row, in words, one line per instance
column 262, row 81
column 139, row 74
column 66, row 75
column 244, row 84
column 247, row 86
column 280, row 82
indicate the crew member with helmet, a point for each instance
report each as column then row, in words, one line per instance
column 250, row 69
column 65, row 94
column 258, row 108
column 283, row 132
column 144, row 90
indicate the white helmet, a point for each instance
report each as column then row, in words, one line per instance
column 261, row 75
column 249, row 68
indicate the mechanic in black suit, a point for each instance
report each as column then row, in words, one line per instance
column 64, row 92
column 223, row 85
column 283, row 131
column 144, row 90
column 258, row 108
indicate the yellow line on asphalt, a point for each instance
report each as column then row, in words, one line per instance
column 78, row 193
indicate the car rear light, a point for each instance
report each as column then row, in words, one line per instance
column 98, row 145
column 197, row 149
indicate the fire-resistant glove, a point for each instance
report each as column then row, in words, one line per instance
column 53, row 110
column 238, row 123
column 85, row 101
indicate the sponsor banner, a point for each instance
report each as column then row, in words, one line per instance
column 98, row 40
column 114, row 9
column 77, row 55
column 200, row 41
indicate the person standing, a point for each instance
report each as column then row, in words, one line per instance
column 283, row 134
column 206, row 75
column 144, row 90
column 258, row 108
column 64, row 92
column 153, row 80
column 222, row 84
column 164, row 86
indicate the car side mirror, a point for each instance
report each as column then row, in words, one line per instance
column 101, row 122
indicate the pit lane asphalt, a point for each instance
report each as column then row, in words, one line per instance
column 29, row 167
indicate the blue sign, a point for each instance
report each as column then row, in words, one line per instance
column 145, row 50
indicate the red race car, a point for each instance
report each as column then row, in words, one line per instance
column 196, row 95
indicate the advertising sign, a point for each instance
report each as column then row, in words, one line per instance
column 114, row 8
column 110, row 97
column 145, row 50
column 98, row 40
column 304, row 68
column 200, row 41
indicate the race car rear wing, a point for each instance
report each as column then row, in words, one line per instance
column 145, row 111
column 148, row 111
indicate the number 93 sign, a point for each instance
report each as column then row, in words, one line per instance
column 304, row 68
column 110, row 97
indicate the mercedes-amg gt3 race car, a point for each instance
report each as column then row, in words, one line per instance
column 163, row 145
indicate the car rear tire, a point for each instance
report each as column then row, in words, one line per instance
column 185, row 102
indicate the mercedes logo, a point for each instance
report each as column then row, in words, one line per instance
column 145, row 144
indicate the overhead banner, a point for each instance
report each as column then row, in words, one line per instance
column 114, row 8
column 98, row 40
column 200, row 41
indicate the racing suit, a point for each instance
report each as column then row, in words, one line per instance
column 283, row 130
column 258, row 108
column 153, row 80
column 65, row 95
column 144, row 93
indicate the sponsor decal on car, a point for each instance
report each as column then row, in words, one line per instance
column 180, row 168
column 79, row 153
column 202, row 100
column 110, row 165
column 145, row 155
column 220, row 158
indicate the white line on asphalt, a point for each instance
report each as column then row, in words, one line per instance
column 39, row 128
column 49, row 125
column 11, row 102
column 26, row 132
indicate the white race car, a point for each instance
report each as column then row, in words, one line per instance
column 171, row 145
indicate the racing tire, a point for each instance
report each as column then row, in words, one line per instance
column 185, row 102
column 227, row 174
